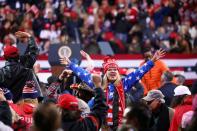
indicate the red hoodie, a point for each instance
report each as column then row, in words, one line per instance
column 179, row 111
column 25, row 111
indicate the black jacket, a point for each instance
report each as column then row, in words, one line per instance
column 5, row 113
column 17, row 71
column 160, row 120
column 94, row 120
column 168, row 91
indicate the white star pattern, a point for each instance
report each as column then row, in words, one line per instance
column 111, row 94
column 137, row 78
column 89, row 81
column 127, row 81
column 141, row 71
column 76, row 65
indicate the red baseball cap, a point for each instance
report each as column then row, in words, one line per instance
column 68, row 102
column 10, row 51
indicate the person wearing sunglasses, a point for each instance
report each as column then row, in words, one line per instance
column 161, row 114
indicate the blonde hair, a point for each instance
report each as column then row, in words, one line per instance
column 106, row 81
column 31, row 101
column 15, row 116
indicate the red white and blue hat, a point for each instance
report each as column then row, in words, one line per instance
column 29, row 90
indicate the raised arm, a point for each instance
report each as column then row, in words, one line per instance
column 90, row 62
column 99, row 110
column 29, row 58
column 135, row 76
column 84, row 75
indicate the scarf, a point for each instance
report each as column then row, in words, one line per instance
column 116, row 99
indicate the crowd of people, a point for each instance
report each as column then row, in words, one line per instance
column 89, row 100
column 128, row 26
column 148, row 98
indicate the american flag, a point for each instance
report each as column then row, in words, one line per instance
column 178, row 63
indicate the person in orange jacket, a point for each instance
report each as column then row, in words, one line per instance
column 152, row 79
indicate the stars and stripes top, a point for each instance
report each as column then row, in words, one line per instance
column 127, row 82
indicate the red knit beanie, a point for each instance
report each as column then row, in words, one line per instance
column 109, row 62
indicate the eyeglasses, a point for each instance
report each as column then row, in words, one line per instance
column 149, row 102
column 146, row 102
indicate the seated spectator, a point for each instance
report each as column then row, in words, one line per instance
column 158, row 20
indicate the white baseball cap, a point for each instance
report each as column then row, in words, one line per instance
column 181, row 90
